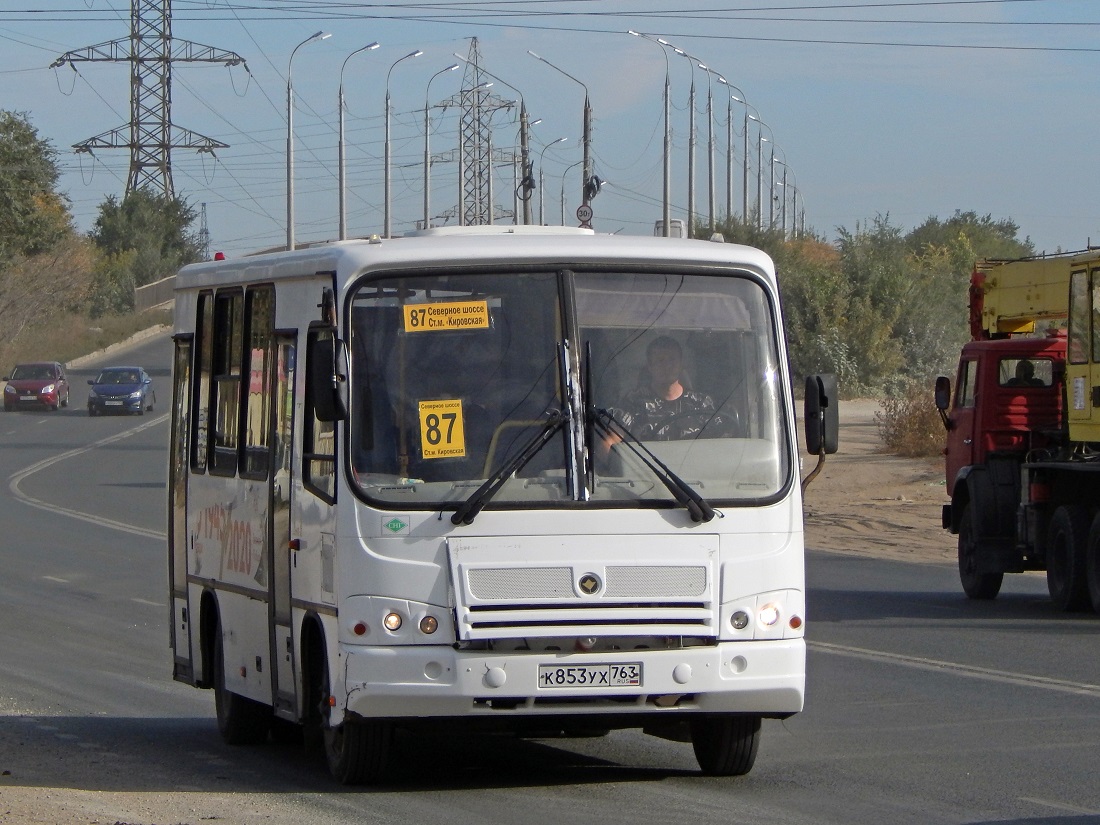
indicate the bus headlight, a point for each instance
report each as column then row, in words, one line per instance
column 392, row 622
column 768, row 615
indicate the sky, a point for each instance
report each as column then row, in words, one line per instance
column 905, row 110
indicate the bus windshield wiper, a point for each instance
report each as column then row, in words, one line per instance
column 469, row 509
column 697, row 506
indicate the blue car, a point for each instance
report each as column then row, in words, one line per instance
column 121, row 389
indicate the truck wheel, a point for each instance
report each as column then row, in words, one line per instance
column 725, row 745
column 1092, row 564
column 1067, row 538
column 976, row 585
column 241, row 721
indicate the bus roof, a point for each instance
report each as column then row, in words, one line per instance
column 490, row 245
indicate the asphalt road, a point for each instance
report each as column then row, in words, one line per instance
column 922, row 707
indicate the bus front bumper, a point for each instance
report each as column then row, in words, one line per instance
column 759, row 677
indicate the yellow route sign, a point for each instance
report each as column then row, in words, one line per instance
column 446, row 315
column 442, row 434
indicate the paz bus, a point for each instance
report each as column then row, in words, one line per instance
column 405, row 493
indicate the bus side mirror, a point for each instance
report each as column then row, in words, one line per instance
column 822, row 414
column 328, row 379
column 943, row 399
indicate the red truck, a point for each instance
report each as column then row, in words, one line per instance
column 1023, row 429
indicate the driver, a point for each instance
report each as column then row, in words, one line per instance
column 661, row 408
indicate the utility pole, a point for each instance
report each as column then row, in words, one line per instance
column 204, row 235
column 150, row 135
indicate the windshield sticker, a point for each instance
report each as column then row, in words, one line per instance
column 442, row 434
column 444, row 316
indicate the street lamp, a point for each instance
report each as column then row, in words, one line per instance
column 666, row 205
column 743, row 100
column 342, row 187
column 691, row 137
column 427, row 150
column 417, row 53
column 586, row 131
column 760, row 141
column 290, row 138
column 542, row 179
column 710, row 142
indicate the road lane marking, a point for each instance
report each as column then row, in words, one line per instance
column 971, row 671
column 17, row 478
column 1058, row 806
column 56, row 579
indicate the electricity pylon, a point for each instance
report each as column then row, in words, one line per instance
column 151, row 136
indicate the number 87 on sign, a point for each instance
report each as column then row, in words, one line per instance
column 442, row 434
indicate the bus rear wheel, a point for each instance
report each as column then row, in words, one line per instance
column 725, row 745
column 241, row 721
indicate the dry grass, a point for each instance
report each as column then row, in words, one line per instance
column 66, row 337
column 909, row 423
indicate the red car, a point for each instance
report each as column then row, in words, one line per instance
column 40, row 384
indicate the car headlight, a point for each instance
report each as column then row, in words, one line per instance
column 9, row 388
column 48, row 389
column 135, row 395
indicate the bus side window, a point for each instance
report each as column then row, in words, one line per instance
column 319, row 447
column 225, row 391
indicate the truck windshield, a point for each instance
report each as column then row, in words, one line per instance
column 454, row 375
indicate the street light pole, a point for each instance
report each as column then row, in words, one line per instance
column 342, row 187
column 760, row 141
column 692, row 61
column 586, row 130
column 666, row 204
column 427, row 149
column 563, row 176
column 290, row 138
column 386, row 228
column 729, row 153
column 542, row 177
column 710, row 146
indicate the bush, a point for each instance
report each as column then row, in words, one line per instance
column 909, row 423
column 68, row 336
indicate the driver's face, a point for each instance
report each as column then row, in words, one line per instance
column 664, row 364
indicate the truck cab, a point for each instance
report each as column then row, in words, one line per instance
column 1007, row 400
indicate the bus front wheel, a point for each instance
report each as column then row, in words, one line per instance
column 725, row 745
column 357, row 750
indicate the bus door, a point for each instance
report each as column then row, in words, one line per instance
column 180, row 626
column 282, row 428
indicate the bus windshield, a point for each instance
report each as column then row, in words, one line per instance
column 455, row 375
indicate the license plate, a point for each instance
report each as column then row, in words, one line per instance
column 113, row 403
column 600, row 676
column 28, row 398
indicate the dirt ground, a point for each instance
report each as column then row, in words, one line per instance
column 871, row 503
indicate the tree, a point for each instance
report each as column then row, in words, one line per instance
column 143, row 238
column 33, row 216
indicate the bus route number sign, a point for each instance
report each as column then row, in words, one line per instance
column 442, row 434
column 443, row 316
